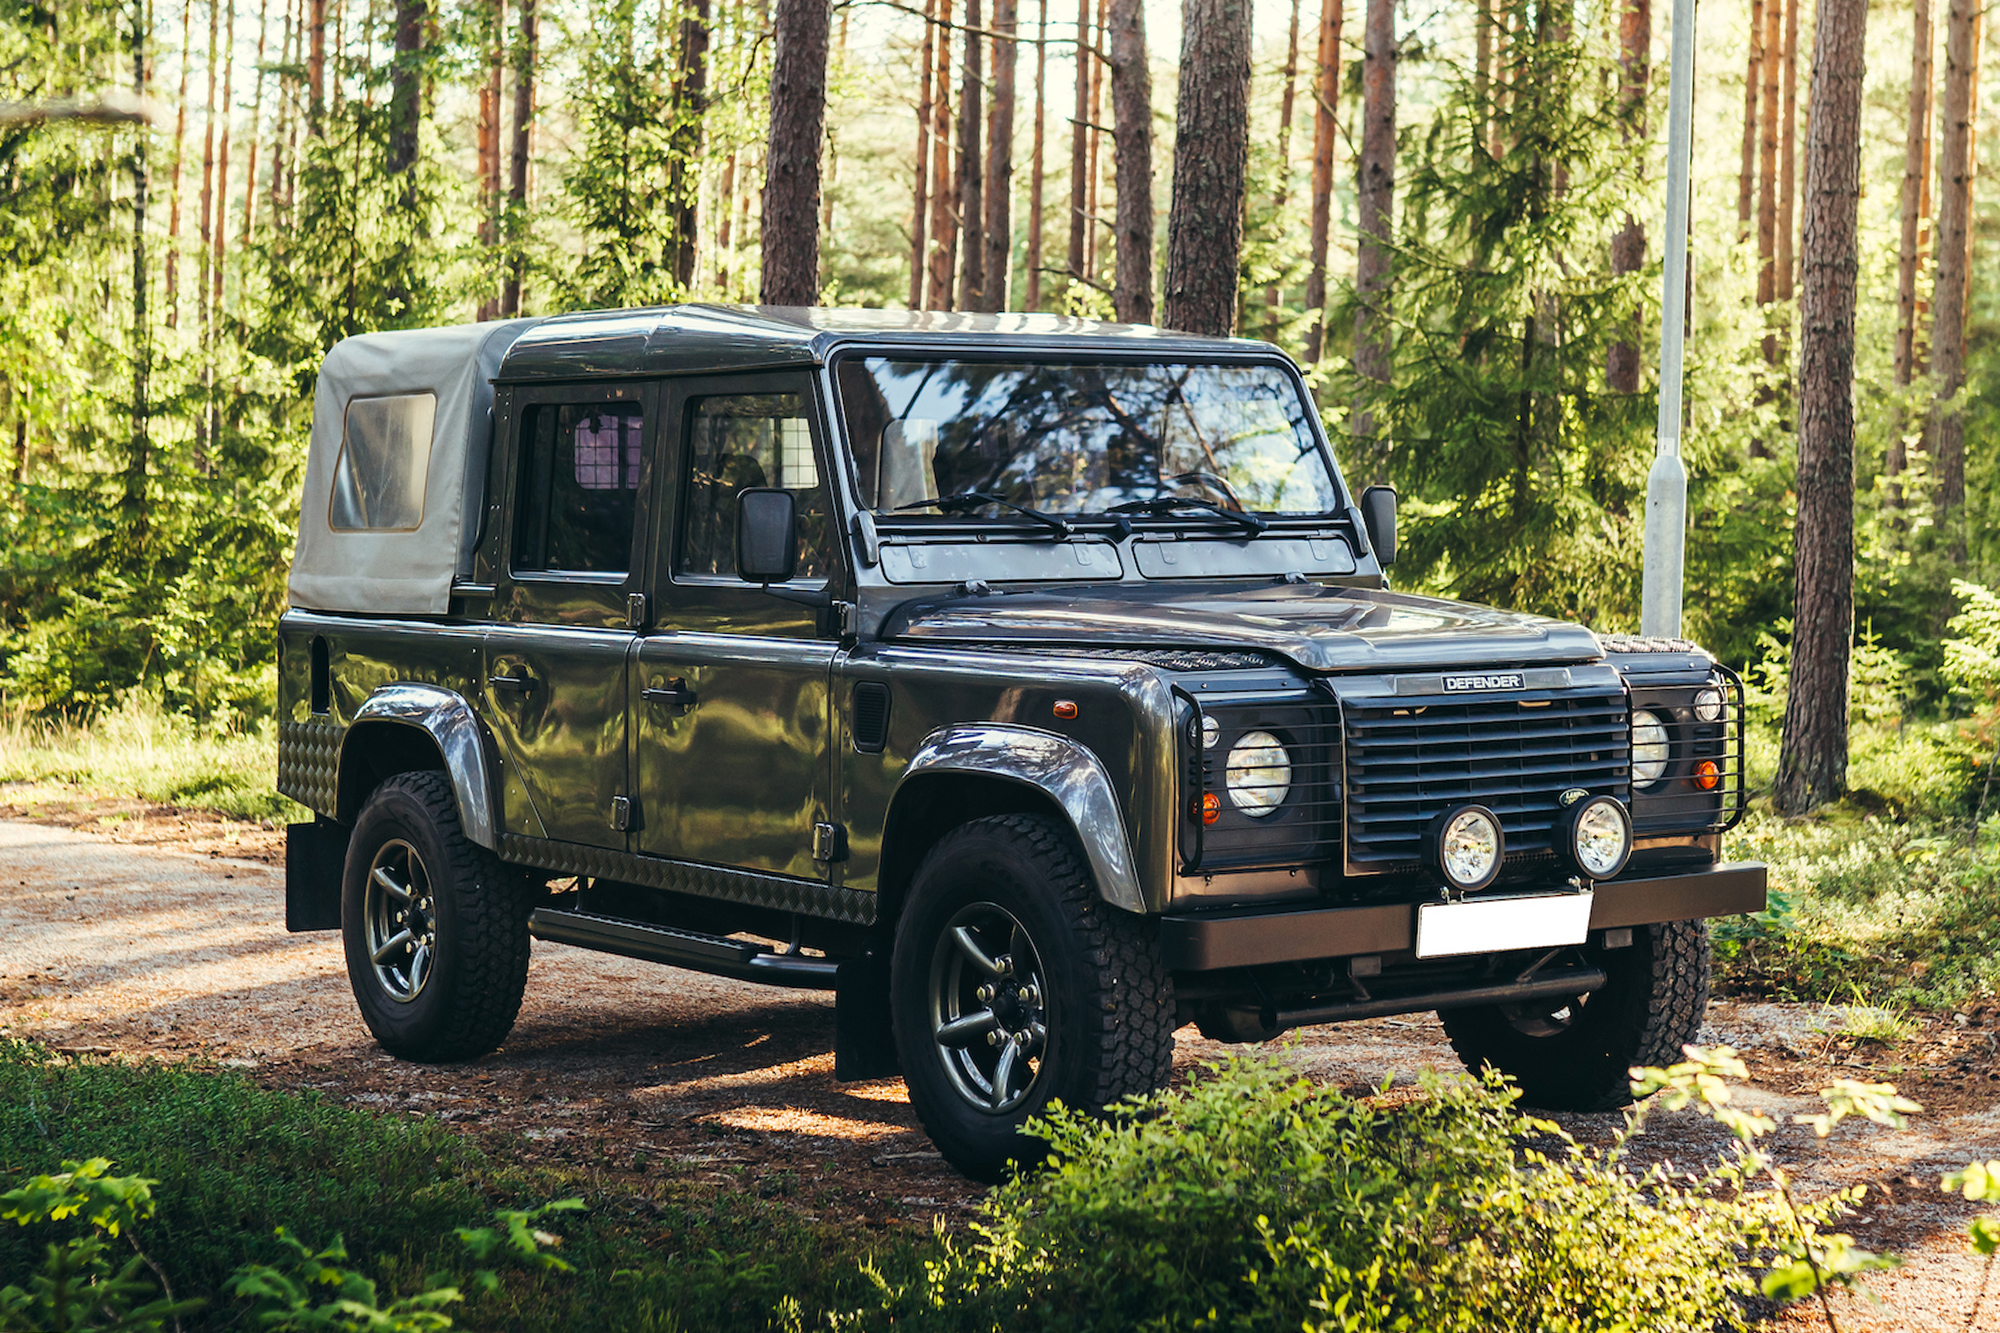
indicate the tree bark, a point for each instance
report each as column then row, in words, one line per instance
column 490, row 101
column 1132, row 119
column 920, row 195
column 1079, row 147
column 1948, row 291
column 134, row 504
column 406, row 96
column 791, row 168
column 1036, row 168
column 1788, row 172
column 219, row 241
column 1286, row 102
column 516, row 226
column 256, row 125
column 1211, row 162
column 971, row 174
column 1812, row 756
column 180, row 141
column 1916, row 171
column 1746, row 180
column 838, row 62
column 208, row 174
column 1767, row 168
column 1482, row 63
column 315, row 66
column 282, row 132
column 1326, row 100
column 690, row 104
column 1375, row 216
column 999, row 263
column 1628, row 247
column 944, row 200
column 1093, row 210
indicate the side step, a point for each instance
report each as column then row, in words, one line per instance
column 716, row 954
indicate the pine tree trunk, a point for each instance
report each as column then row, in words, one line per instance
column 517, row 174
column 1079, row 146
column 1036, row 167
column 134, row 504
column 282, row 130
column 944, row 199
column 1628, row 247
column 999, row 263
column 490, row 95
column 1767, row 169
column 1093, row 213
column 227, row 109
column 920, row 195
column 208, row 168
column 1746, row 180
column 1286, row 102
column 1375, row 216
column 971, row 174
column 1916, row 172
column 791, row 168
column 1788, row 166
column 690, row 104
column 725, row 231
column 1482, row 61
column 256, row 125
column 315, row 65
column 405, row 96
column 839, row 61
column 172, row 283
column 1211, row 162
column 1948, row 291
column 1132, row 121
column 1812, row 757
column 1326, row 100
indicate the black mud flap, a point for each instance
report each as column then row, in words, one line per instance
column 315, row 856
column 864, row 1044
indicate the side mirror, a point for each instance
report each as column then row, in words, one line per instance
column 767, row 538
column 1378, row 515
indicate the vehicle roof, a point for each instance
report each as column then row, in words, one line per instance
column 687, row 338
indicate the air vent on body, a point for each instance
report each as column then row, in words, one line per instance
column 871, row 716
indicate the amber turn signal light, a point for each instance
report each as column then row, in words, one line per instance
column 1065, row 708
column 1707, row 775
column 1210, row 808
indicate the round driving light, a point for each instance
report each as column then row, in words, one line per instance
column 1707, row 775
column 1465, row 846
column 1595, row 836
column 1650, row 748
column 1211, row 732
column 1708, row 704
column 1258, row 774
column 1210, row 809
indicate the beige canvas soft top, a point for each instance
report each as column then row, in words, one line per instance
column 396, row 471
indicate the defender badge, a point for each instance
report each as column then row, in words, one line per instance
column 1490, row 680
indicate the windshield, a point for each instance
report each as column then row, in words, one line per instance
column 1081, row 438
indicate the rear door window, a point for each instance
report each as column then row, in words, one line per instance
column 579, row 495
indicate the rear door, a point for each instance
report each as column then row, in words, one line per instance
column 730, row 689
column 556, row 673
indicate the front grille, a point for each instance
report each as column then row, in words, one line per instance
column 1411, row 758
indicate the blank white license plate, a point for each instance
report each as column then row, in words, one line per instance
column 1495, row 925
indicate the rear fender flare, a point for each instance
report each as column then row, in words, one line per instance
column 454, row 731
column 1068, row 773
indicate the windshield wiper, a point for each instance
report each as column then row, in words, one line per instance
column 964, row 502
column 1252, row 524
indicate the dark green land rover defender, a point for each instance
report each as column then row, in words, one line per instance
column 1033, row 685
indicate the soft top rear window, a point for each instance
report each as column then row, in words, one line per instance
column 385, row 456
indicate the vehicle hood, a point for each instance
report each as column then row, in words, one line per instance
column 1318, row 627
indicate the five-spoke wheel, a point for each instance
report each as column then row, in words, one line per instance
column 988, row 1007
column 401, row 920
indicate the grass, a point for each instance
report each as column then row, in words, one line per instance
column 139, row 752
column 235, row 1161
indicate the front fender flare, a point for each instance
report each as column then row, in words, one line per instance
column 1067, row 772
column 447, row 718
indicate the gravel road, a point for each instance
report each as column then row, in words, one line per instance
column 161, row 934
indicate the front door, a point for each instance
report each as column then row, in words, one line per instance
column 730, row 690
column 556, row 673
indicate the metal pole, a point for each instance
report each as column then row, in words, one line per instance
column 1666, row 485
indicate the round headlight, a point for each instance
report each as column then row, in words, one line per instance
column 1708, row 704
column 1650, row 749
column 1466, row 846
column 1211, row 732
column 1258, row 775
column 1596, row 836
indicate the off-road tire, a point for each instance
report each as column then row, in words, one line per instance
column 1650, row 1006
column 473, row 989
column 1110, row 1004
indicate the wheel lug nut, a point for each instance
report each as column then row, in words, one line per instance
column 985, row 994
column 1021, row 1039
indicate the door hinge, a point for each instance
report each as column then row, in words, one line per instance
column 829, row 843
column 624, row 814
column 636, row 610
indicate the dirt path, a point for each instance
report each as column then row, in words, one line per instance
column 162, row 934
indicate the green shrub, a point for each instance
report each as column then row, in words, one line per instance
column 1256, row 1200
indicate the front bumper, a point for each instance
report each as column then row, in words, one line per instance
column 1212, row 941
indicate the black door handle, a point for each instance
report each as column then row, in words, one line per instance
column 675, row 692
column 510, row 684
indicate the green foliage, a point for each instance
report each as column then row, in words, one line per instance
column 76, row 1288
